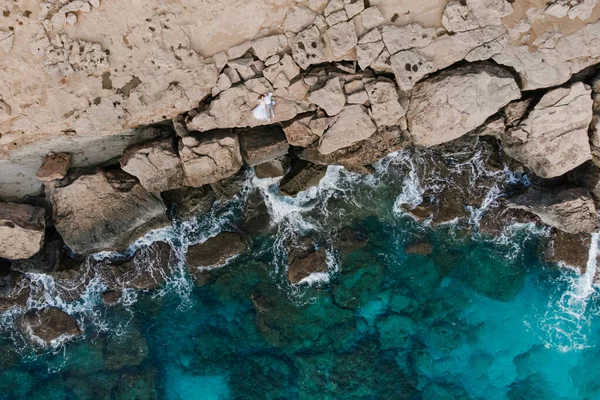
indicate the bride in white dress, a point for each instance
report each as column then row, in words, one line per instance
column 264, row 110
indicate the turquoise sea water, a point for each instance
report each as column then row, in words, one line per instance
column 478, row 318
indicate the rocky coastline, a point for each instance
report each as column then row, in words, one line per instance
column 352, row 84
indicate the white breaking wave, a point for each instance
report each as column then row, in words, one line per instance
column 569, row 318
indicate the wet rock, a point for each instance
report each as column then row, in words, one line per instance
column 229, row 188
column 21, row 230
column 259, row 145
column 336, row 17
column 48, row 324
column 256, row 214
column 553, row 138
column 350, row 240
column 147, row 269
column 55, row 167
column 342, row 38
column 155, row 164
column 128, row 349
column 302, row 267
column 189, row 202
column 308, row 47
column 215, row 251
column 422, row 248
column 14, row 289
column 569, row 210
column 570, row 249
column 496, row 219
column 45, row 261
column 467, row 95
column 210, row 157
column 111, row 297
column 301, row 176
column 386, row 109
column 105, row 211
column 352, row 125
column 330, row 98
column 272, row 169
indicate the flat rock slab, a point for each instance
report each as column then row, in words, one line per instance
column 48, row 324
column 21, row 230
column 569, row 210
column 352, row 125
column 302, row 268
column 301, row 176
column 457, row 101
column 55, row 167
column 105, row 211
column 262, row 144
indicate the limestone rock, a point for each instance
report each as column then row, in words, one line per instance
column 386, row 109
column 220, row 60
column 358, row 98
column 299, row 133
column 273, row 168
column 259, row 145
column 281, row 73
column 210, row 157
column 302, row 267
column 55, row 167
column 553, row 139
column 461, row 16
column 48, row 324
column 21, row 230
column 570, row 249
column 354, row 8
column 244, row 67
column 105, row 211
column 189, row 202
column 301, row 176
column 239, row 51
column 467, row 96
column 397, row 38
column 372, row 17
column 496, row 219
column 268, row 46
column 352, row 125
column 333, row 6
column 367, row 53
column 409, row 67
column 330, row 98
column 215, row 251
column 587, row 175
column 308, row 47
column 342, row 38
column 336, row 17
column 155, row 164
column 570, row 210
column 298, row 18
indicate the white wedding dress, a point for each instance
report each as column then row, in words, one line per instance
column 264, row 110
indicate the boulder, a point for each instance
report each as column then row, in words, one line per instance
column 47, row 260
column 106, row 210
column 398, row 38
column 267, row 46
column 43, row 326
column 301, row 268
column 467, row 96
column 553, row 138
column 147, row 269
column 273, row 168
column 55, row 167
column 330, row 98
column 386, row 109
column 298, row 18
column 308, row 47
column 342, row 38
column 156, row 165
column 14, row 289
column 111, row 297
column 210, row 157
column 570, row 210
column 215, row 251
column 352, row 125
column 281, row 73
column 299, row 132
column 262, row 144
column 496, row 219
column 257, row 219
column 21, row 230
column 188, row 202
column 301, row 176
column 570, row 249
column 372, row 17
column 587, row 175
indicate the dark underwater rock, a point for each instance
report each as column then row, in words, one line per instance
column 137, row 385
column 422, row 248
column 48, row 324
column 128, row 349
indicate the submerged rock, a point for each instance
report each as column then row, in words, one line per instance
column 105, row 211
column 48, row 324
column 570, row 210
column 465, row 95
column 422, row 248
column 553, row 138
column 21, row 230
column 128, row 349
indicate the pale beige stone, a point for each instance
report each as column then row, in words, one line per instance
column 342, row 38
column 352, row 125
column 386, row 109
column 330, row 98
column 21, row 230
column 268, row 46
column 372, row 17
column 298, row 18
